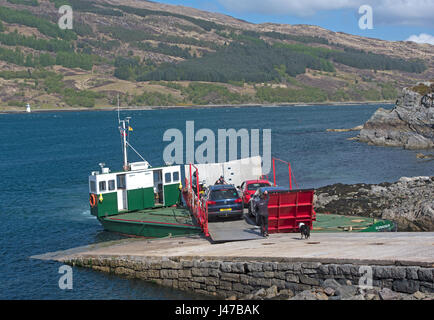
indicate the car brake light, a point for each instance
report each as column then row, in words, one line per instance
column 238, row 200
column 211, row 202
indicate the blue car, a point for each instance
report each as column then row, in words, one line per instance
column 223, row 201
column 256, row 196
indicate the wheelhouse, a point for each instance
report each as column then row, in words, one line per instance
column 140, row 188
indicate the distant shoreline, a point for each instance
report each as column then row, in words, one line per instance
column 209, row 106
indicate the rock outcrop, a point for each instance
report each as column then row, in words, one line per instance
column 408, row 202
column 410, row 124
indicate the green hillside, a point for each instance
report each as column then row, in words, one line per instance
column 152, row 56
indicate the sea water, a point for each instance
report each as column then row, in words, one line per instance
column 45, row 160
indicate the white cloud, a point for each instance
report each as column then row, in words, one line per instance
column 402, row 12
column 422, row 38
column 405, row 12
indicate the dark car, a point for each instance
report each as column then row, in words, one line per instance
column 255, row 198
column 223, row 201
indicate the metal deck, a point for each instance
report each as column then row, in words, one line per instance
column 173, row 215
column 246, row 229
column 339, row 223
column 234, row 230
column 228, row 230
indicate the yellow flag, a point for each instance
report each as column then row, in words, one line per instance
column 130, row 129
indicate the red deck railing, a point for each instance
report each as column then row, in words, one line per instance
column 290, row 174
column 194, row 203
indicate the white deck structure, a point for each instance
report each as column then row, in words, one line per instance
column 234, row 172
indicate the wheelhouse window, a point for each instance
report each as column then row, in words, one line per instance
column 168, row 177
column 175, row 176
column 121, row 182
column 111, row 185
column 102, row 186
column 157, row 176
column 93, row 186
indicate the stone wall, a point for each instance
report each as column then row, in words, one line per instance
column 223, row 277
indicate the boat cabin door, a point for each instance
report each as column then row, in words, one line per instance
column 171, row 181
column 158, row 188
column 166, row 186
column 122, row 193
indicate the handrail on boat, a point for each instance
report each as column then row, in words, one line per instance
column 195, row 205
column 291, row 175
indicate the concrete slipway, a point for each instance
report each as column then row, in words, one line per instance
column 402, row 262
column 407, row 248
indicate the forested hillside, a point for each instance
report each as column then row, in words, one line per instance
column 153, row 54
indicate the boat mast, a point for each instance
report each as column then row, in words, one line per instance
column 124, row 143
column 124, row 128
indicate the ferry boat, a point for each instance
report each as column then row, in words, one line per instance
column 141, row 200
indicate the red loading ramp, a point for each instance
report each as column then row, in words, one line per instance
column 287, row 209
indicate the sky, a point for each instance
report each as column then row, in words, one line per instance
column 395, row 20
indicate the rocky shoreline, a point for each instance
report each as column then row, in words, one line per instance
column 409, row 202
column 409, row 125
column 333, row 290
